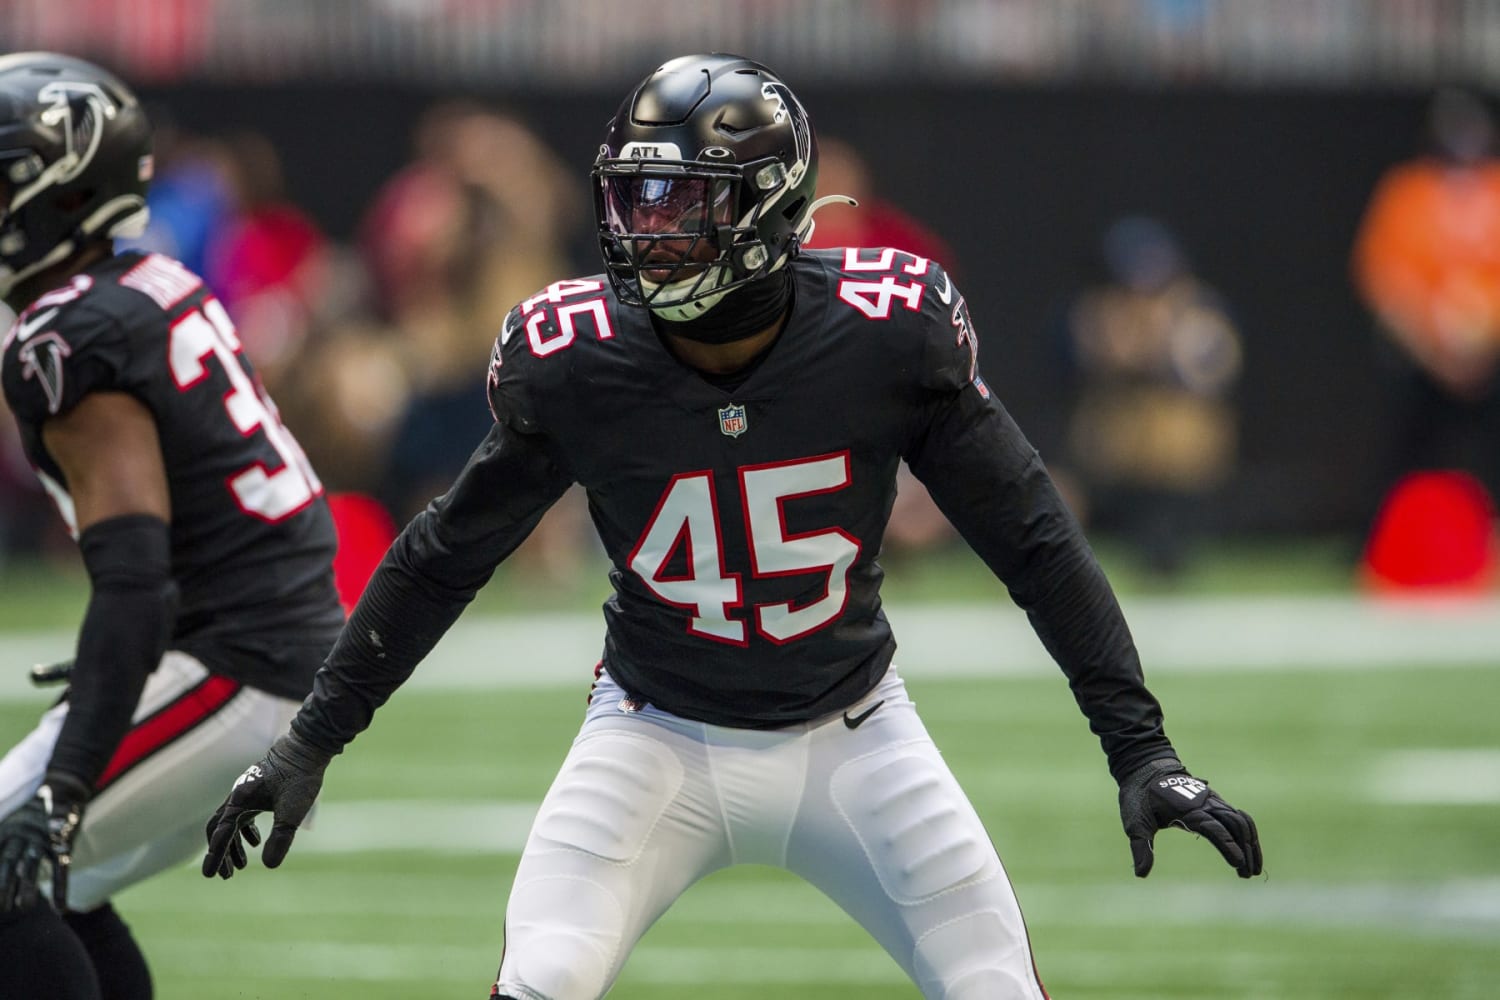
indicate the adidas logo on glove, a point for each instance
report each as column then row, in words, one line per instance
column 1183, row 784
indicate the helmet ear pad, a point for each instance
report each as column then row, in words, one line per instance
column 720, row 119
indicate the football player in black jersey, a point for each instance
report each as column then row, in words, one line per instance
column 205, row 534
column 737, row 408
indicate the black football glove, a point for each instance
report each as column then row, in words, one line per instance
column 43, row 674
column 41, row 830
column 1162, row 794
column 285, row 782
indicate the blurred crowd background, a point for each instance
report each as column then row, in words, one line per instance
column 1235, row 267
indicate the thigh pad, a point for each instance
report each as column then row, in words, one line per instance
column 917, row 829
column 609, row 795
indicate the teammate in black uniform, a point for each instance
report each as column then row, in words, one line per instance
column 736, row 409
column 204, row 532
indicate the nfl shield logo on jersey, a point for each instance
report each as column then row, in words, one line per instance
column 732, row 420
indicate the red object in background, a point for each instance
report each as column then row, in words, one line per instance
column 877, row 223
column 365, row 531
column 1435, row 531
column 268, row 248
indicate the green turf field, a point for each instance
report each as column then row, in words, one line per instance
column 53, row 593
column 1364, row 897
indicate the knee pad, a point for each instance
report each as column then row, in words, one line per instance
column 569, row 917
column 977, row 956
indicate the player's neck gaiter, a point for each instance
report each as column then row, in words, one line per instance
column 743, row 313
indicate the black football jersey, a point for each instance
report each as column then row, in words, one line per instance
column 743, row 524
column 743, row 517
column 252, row 539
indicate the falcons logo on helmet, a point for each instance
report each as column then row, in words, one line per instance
column 789, row 110
column 81, row 133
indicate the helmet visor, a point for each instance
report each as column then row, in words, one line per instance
column 657, row 205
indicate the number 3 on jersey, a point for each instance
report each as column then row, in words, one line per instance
column 271, row 496
column 688, row 515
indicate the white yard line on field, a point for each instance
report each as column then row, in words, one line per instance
column 441, row 827
column 1175, row 635
column 1437, row 777
column 1461, row 907
column 421, row 962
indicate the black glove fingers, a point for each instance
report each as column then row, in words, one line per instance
column 10, row 879
column 1161, row 793
column 20, row 863
column 223, row 835
column 236, row 855
column 1231, row 818
column 278, row 843
column 60, row 883
column 284, row 784
column 13, row 848
column 214, row 862
column 1234, row 822
column 213, row 823
column 1142, row 855
column 237, row 858
column 1203, row 823
column 27, row 871
column 252, row 835
column 1256, row 859
column 1242, row 827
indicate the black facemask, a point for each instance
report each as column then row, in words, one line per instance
column 742, row 313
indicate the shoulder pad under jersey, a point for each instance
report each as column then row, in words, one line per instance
column 951, row 356
column 530, row 355
column 507, row 385
column 916, row 295
column 61, row 348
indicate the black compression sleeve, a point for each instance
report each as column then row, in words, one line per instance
column 125, row 629
column 431, row 573
column 991, row 484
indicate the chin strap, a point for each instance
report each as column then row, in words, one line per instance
column 10, row 279
column 131, row 224
column 686, row 312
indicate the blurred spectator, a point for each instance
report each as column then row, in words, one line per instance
column 875, row 221
column 1427, row 263
column 270, row 265
column 474, row 224
column 190, row 198
column 220, row 206
column 344, row 398
column 1152, row 358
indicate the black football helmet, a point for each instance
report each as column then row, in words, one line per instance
column 75, row 161
column 703, row 184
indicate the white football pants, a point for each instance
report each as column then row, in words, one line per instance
column 647, row 803
column 191, row 736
